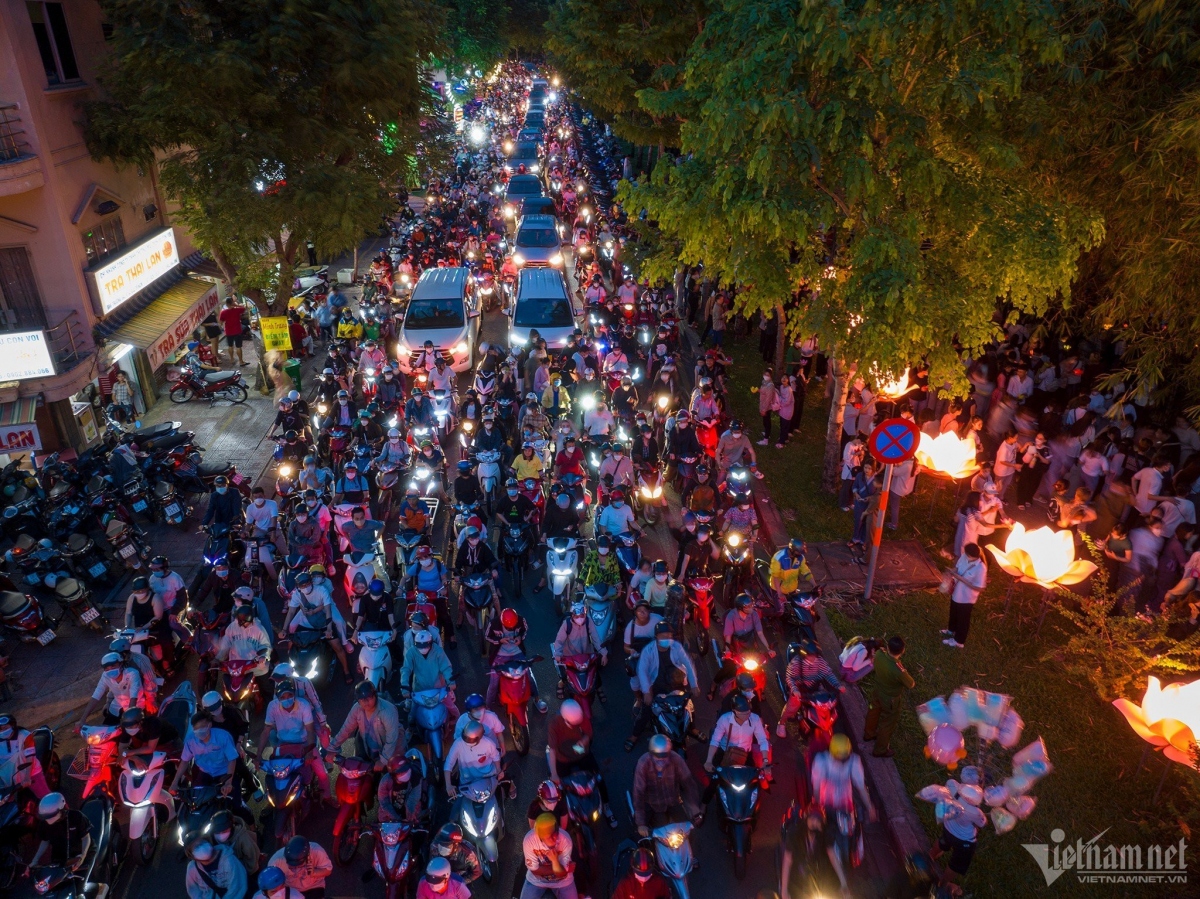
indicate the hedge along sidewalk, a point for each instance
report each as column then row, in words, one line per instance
column 904, row 825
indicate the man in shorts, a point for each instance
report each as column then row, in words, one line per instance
column 231, row 321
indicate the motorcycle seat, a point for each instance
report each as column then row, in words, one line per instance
column 212, row 377
column 62, row 488
column 163, row 489
column 11, row 602
column 24, row 543
column 212, row 469
column 77, row 543
column 167, row 441
column 67, row 588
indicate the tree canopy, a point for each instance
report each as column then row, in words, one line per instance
column 272, row 122
column 856, row 153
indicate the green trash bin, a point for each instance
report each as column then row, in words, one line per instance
column 291, row 368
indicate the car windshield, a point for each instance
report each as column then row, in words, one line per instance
column 541, row 238
column 524, row 190
column 543, row 312
column 434, row 313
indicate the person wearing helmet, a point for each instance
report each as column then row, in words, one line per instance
column 701, row 553
column 548, row 799
column 418, row 411
column 283, row 673
column 225, row 716
column 245, row 640
column 475, row 709
column 27, row 770
column 375, row 721
column 742, row 518
column 227, row 829
column 569, row 749
column 305, row 536
column 440, row 882
column 419, row 623
column 145, row 668
column 141, row 734
column 389, row 391
column 806, row 673
column 529, row 464
column 373, row 357
column 194, row 364
column 467, row 489
column 743, row 624
column 739, row 736
column 367, row 432
column 145, row 610
column 459, row 852
column 639, row 633
column 663, row 788
column 790, row 572
column 600, row 565
column 272, row 884
column 170, row 589
column 213, row 871
column 427, row 669
column 735, row 448
column 570, row 458
column 121, row 685
column 476, row 557
column 598, row 422
column 289, row 727
column 288, row 418
column 577, row 636
column 556, row 399
column 311, row 607
column 618, row 517
column 305, row 866
column 743, row 685
column 656, row 589
column 430, row 577
column 549, row 869
column 642, row 881
column 342, row 412
column 413, row 512
column 64, row 833
column 403, row 792
column 372, row 610
column 506, row 638
column 625, row 399
column 261, row 526
column 837, row 775
column 663, row 668
column 224, row 505
column 474, row 758
column 352, row 487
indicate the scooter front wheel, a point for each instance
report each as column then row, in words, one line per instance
column 145, row 846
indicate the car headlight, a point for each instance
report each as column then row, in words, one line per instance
column 461, row 349
column 517, row 340
column 556, row 259
column 518, row 259
column 509, row 212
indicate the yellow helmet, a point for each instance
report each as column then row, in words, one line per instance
column 839, row 747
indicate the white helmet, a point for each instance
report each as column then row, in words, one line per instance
column 51, row 806
column 571, row 712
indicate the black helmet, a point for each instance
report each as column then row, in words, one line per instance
column 295, row 853
column 745, row 682
column 740, row 703
column 132, row 718
column 160, row 562
column 450, row 833
column 290, row 435
column 221, row 821
column 663, row 627
column 365, row 690
column 140, row 583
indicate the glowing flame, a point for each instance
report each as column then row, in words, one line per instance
column 948, row 454
column 889, row 387
column 1168, row 717
column 1044, row 557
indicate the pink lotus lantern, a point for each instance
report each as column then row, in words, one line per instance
column 1043, row 557
column 947, row 455
column 1168, row 718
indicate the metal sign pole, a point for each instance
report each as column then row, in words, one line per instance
column 877, row 530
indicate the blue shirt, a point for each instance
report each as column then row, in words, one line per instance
column 213, row 757
column 430, row 578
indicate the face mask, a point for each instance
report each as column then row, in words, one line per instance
column 603, row 550
column 288, row 704
column 512, row 494
column 427, row 563
column 564, row 501
column 394, row 441
column 260, row 501
column 737, row 435
column 312, row 503
column 642, row 878
column 310, row 467
column 578, row 619
column 202, row 733
column 617, row 503
column 306, row 589
column 661, row 578
column 132, row 731
column 425, row 650
column 343, row 402
column 663, row 644
column 301, row 518
column 223, row 836
column 222, row 574
column 222, row 490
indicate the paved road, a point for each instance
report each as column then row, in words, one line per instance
column 713, row 878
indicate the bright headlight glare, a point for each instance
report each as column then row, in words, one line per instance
column 461, row 348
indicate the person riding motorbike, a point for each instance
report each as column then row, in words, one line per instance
column 121, row 685
column 440, row 882
column 290, row 728
column 473, row 758
column 806, row 673
column 429, row 576
column 27, row 770
column 475, row 709
column 213, row 872
column 701, row 553
column 738, row 737
column 305, row 866
column 617, row 517
column 418, row 411
column 449, row 844
column 228, row 829
column 375, row 722
column 642, row 881
column 427, row 669
column 569, row 749
column 790, row 572
column 401, row 794
column 734, row 448
column 576, row 636
column 313, row 609
column 837, row 775
column 663, row 788
column 663, row 668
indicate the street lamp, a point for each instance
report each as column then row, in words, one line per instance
column 948, row 455
column 1044, row 557
column 1168, row 718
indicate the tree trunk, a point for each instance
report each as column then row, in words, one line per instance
column 840, row 376
column 228, row 269
column 780, row 340
column 285, row 253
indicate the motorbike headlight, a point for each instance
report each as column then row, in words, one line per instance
column 313, row 670
column 491, row 821
column 646, row 492
column 470, row 825
column 734, row 540
column 675, row 839
column 750, row 664
column 656, row 493
column 285, row 471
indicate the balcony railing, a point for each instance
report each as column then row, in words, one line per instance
column 68, row 342
column 13, row 145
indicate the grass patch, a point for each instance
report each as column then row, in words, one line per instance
column 1095, row 754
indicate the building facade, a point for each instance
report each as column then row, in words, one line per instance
column 93, row 275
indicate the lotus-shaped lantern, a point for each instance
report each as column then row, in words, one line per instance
column 1043, row 557
column 947, row 455
column 890, row 387
column 1168, row 718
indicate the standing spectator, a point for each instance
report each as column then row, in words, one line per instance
column 904, row 481
column 960, row 828
column 212, row 333
column 852, row 459
column 968, row 577
column 548, row 865
column 1111, row 507
column 1034, row 462
column 1008, row 462
column 1118, row 556
column 719, row 311
column 866, row 486
column 231, row 322
column 124, row 399
column 1093, row 466
column 891, row 682
column 325, row 315
column 787, row 410
column 1147, row 485
column 768, row 405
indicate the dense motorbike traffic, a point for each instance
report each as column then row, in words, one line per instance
column 421, row 487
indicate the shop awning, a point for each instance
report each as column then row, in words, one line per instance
column 19, row 412
column 164, row 326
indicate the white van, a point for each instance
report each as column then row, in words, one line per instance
column 544, row 303
column 442, row 309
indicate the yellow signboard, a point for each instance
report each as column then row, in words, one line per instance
column 295, row 302
column 275, row 332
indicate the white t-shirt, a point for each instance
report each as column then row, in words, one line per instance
column 290, row 725
column 975, row 572
column 262, row 517
column 1146, row 483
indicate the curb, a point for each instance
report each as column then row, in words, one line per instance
column 896, row 808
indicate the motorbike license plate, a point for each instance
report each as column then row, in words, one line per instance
column 139, row 506
column 46, row 636
column 171, row 509
column 89, row 616
column 237, row 478
column 98, row 570
column 127, row 551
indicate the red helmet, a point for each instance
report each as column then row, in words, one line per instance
column 642, row 863
column 548, row 791
column 509, row 619
column 424, row 552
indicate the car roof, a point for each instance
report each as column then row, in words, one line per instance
column 541, row 280
column 537, row 220
column 534, row 205
column 442, row 283
column 525, row 182
column 525, row 148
